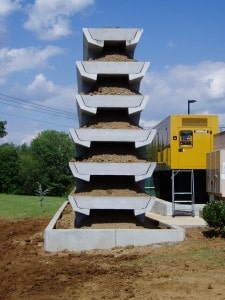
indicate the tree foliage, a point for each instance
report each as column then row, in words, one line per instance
column 53, row 150
column 9, row 159
column 45, row 161
column 28, row 174
column 3, row 129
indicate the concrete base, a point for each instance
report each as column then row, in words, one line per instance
column 87, row 239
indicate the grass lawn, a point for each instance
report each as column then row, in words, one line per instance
column 20, row 207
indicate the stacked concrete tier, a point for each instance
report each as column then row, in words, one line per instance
column 89, row 71
column 140, row 138
column 90, row 104
column 96, row 38
column 93, row 108
column 84, row 170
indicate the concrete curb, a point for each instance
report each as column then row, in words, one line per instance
column 88, row 239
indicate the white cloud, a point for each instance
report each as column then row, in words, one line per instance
column 9, row 6
column 22, row 59
column 46, row 92
column 147, row 124
column 41, row 84
column 50, row 19
column 20, row 132
column 170, row 90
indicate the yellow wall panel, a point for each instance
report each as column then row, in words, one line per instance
column 184, row 140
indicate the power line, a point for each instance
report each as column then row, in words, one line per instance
column 18, row 102
column 40, row 110
column 34, row 119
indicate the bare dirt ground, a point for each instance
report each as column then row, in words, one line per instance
column 193, row 269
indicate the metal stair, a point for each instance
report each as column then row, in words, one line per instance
column 183, row 193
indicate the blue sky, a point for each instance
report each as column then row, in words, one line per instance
column 41, row 40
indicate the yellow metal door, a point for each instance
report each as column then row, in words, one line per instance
column 192, row 153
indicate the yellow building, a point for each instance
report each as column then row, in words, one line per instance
column 182, row 141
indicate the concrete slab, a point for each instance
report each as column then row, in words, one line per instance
column 56, row 240
column 84, row 170
column 140, row 137
column 84, row 204
column 90, row 104
column 95, row 38
column 181, row 221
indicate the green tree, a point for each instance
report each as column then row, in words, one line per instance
column 53, row 150
column 3, row 129
column 9, row 168
column 28, row 174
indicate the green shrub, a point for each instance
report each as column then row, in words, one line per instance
column 214, row 215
